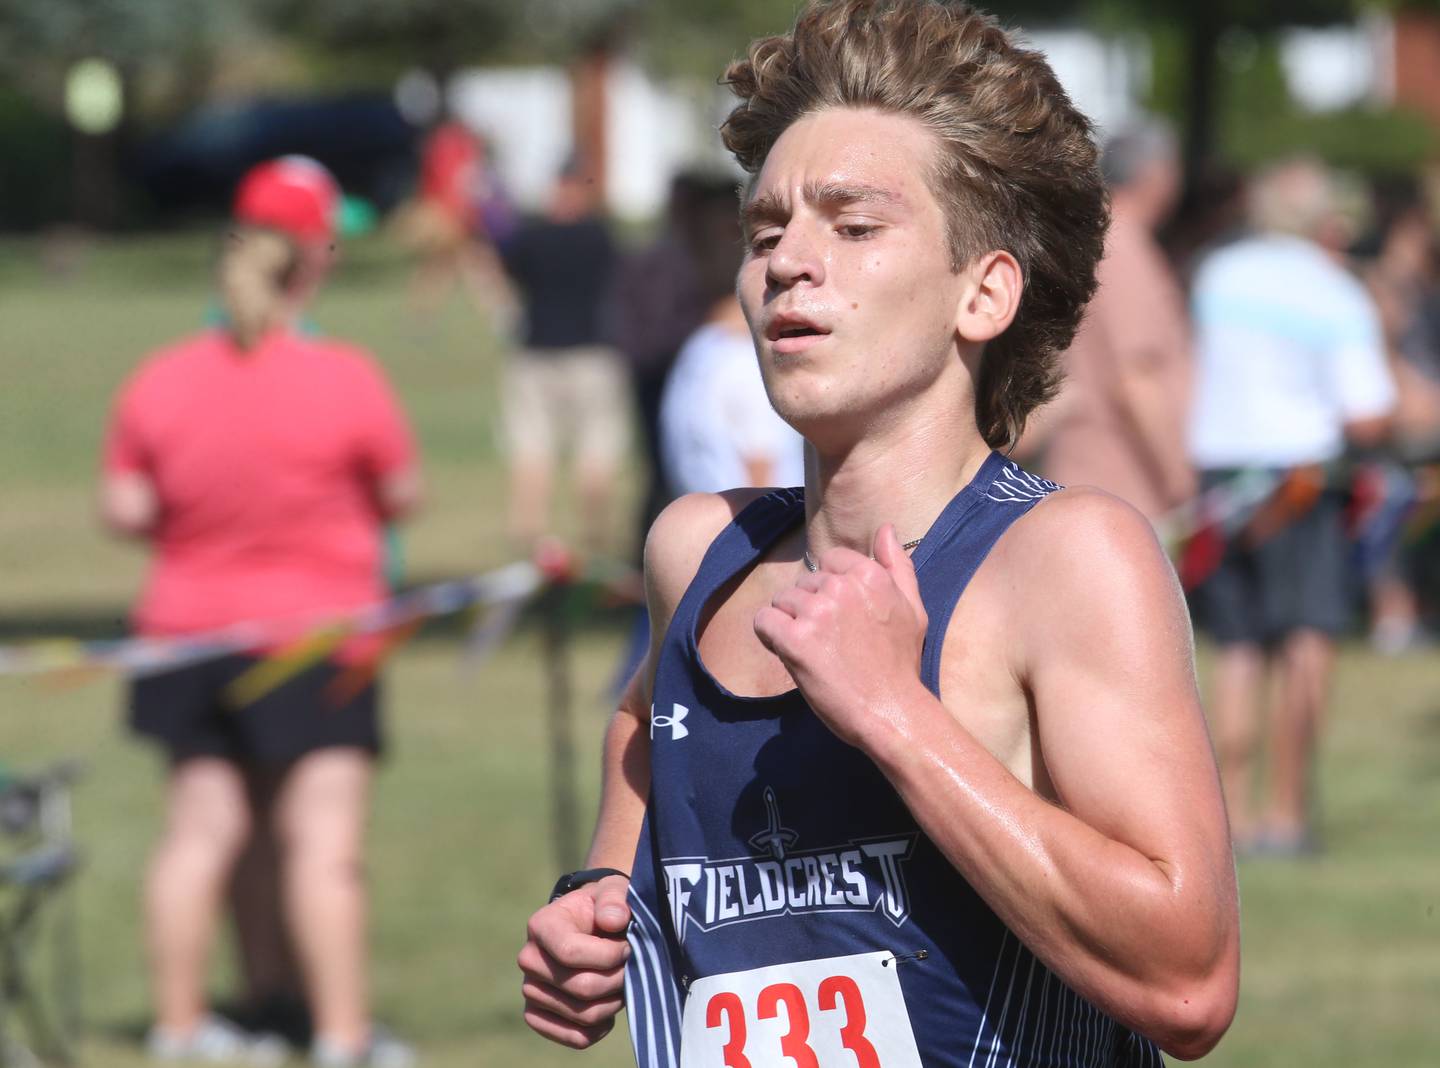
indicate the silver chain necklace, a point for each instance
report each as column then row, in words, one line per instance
column 812, row 566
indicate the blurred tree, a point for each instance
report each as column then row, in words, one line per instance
column 388, row 37
column 703, row 35
column 682, row 37
column 36, row 37
column 381, row 38
column 162, row 46
column 1202, row 27
column 1257, row 120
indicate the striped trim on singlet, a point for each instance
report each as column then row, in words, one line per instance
column 652, row 995
column 1025, row 1001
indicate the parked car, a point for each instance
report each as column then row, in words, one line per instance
column 362, row 138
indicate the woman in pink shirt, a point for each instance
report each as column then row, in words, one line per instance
column 260, row 464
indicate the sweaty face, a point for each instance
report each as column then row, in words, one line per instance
column 847, row 283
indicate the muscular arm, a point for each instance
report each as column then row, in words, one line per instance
column 1124, row 886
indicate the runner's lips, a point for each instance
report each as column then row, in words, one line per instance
column 790, row 326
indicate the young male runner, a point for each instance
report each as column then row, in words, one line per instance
column 878, row 822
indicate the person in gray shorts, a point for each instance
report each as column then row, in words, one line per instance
column 1295, row 578
column 564, row 386
column 1290, row 374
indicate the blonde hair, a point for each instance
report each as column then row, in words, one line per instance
column 1295, row 196
column 256, row 271
column 1016, row 167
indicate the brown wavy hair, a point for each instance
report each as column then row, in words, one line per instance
column 1017, row 167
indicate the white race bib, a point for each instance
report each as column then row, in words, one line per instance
column 841, row 1012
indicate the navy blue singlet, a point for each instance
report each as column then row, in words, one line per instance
column 769, row 843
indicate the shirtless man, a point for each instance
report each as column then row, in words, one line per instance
column 867, row 820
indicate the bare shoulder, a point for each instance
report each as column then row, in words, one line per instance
column 1083, row 562
column 678, row 541
column 1079, row 529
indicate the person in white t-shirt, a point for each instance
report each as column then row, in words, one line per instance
column 717, row 428
column 1290, row 372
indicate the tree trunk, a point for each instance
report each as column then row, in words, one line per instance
column 1417, row 62
column 95, row 179
column 590, row 110
column 1203, row 23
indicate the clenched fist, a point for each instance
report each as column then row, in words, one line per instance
column 573, row 961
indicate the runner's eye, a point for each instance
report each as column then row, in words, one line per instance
column 764, row 240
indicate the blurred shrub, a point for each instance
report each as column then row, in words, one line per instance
column 1374, row 141
column 36, row 156
column 1257, row 121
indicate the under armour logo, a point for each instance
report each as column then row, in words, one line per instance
column 678, row 730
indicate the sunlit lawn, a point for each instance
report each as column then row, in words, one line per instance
column 1342, row 953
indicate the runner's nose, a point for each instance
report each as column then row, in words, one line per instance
column 795, row 258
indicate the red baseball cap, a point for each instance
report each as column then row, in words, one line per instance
column 293, row 194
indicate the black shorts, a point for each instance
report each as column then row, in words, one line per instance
column 190, row 713
column 1297, row 579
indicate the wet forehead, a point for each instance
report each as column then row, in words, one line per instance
column 845, row 156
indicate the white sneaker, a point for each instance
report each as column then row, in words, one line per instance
column 215, row 1040
column 383, row 1050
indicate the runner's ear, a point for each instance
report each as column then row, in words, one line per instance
column 991, row 297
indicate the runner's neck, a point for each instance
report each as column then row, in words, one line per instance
column 904, row 479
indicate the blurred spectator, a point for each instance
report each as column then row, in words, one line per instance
column 717, row 428
column 1290, row 368
column 564, row 384
column 1400, row 268
column 449, row 221
column 657, row 303
column 261, row 464
column 1402, row 271
column 1119, row 422
column 1211, row 213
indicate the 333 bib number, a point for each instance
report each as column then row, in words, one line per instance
column 832, row 1013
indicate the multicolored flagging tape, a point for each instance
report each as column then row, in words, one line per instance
column 1388, row 504
column 289, row 648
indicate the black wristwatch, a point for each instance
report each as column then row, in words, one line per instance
column 576, row 879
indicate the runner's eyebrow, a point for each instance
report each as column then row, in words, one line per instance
column 834, row 195
column 766, row 209
column 771, row 207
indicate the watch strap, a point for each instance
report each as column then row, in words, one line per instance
column 575, row 879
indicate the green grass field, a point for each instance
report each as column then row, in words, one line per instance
column 1341, row 954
